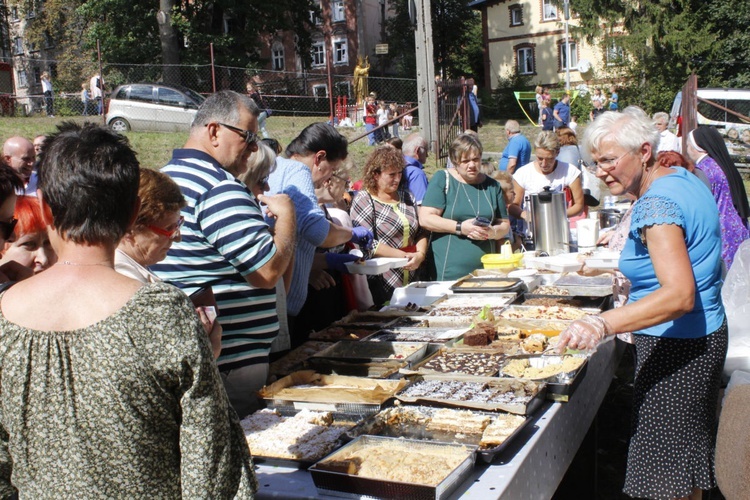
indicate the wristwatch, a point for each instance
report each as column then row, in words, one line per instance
column 458, row 228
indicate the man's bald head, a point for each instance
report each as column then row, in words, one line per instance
column 19, row 154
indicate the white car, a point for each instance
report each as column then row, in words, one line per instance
column 152, row 107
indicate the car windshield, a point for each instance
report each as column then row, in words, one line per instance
column 195, row 96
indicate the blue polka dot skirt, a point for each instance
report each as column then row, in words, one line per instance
column 674, row 415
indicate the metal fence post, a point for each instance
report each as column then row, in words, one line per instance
column 213, row 68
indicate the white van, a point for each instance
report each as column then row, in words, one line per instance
column 732, row 126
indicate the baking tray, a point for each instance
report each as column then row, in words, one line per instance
column 292, row 360
column 470, row 304
column 346, row 394
column 432, row 322
column 589, row 286
column 349, row 331
column 565, row 300
column 559, row 387
column 458, row 391
column 486, row 363
column 343, row 421
column 375, row 318
column 432, row 335
column 568, row 313
column 333, row 482
column 367, row 359
column 394, row 422
column 487, row 284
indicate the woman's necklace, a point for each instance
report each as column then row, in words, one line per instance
column 468, row 198
column 105, row 263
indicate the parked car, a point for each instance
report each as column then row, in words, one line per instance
column 152, row 107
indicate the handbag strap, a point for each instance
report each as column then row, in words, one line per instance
column 374, row 219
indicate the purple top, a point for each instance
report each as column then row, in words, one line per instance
column 733, row 231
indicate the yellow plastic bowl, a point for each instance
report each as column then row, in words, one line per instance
column 497, row 261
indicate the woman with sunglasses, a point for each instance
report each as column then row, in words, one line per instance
column 10, row 184
column 672, row 257
column 29, row 243
column 147, row 241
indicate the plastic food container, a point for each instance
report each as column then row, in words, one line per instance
column 378, row 265
column 498, row 261
column 604, row 260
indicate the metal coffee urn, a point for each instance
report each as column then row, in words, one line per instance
column 549, row 222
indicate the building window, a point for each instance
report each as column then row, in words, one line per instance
column 277, row 56
column 22, row 81
column 14, row 13
column 32, row 47
column 337, row 11
column 516, row 15
column 525, row 63
column 320, row 91
column 37, row 76
column 342, row 89
column 18, row 45
column 318, row 54
column 340, row 52
column 48, row 41
column 549, row 11
column 315, row 16
column 615, row 55
column 563, row 55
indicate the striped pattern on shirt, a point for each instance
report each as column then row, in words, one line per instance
column 224, row 238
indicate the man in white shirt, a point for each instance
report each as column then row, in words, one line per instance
column 95, row 86
column 667, row 140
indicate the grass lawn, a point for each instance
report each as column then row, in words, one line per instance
column 155, row 149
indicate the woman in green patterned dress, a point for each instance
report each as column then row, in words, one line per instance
column 465, row 210
column 110, row 390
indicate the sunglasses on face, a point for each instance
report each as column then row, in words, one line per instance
column 7, row 227
column 249, row 137
column 169, row 233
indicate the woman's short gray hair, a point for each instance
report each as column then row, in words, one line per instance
column 630, row 129
column 259, row 165
column 547, row 140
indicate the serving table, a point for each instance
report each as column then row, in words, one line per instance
column 531, row 467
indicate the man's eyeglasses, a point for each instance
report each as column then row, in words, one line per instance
column 608, row 164
column 169, row 233
column 250, row 137
column 7, row 227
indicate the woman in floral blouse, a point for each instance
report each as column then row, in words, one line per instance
column 111, row 390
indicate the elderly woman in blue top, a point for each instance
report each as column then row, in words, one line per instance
column 672, row 258
column 311, row 159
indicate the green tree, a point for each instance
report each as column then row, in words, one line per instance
column 456, row 36
column 662, row 41
column 129, row 33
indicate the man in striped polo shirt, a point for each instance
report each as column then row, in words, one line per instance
column 226, row 243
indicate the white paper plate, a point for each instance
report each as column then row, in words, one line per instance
column 378, row 265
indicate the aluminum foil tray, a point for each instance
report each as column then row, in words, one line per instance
column 408, row 422
column 433, row 335
column 332, row 481
column 521, row 397
column 559, row 387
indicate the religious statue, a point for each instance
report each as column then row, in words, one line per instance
column 360, row 79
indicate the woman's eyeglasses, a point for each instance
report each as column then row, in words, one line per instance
column 7, row 227
column 345, row 180
column 608, row 164
column 169, row 233
column 249, row 136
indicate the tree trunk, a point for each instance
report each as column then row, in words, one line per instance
column 170, row 48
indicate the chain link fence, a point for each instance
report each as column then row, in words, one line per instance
column 312, row 93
